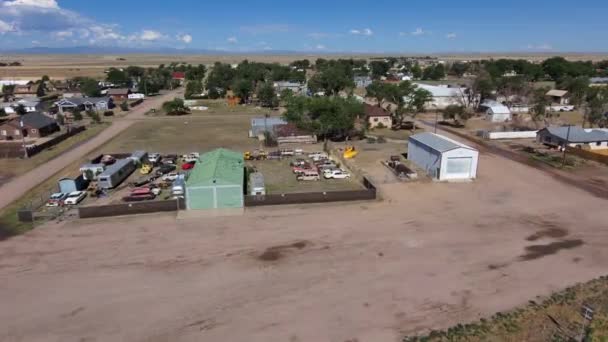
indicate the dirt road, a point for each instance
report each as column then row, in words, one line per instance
column 430, row 255
column 19, row 186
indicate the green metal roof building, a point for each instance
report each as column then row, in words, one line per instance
column 216, row 182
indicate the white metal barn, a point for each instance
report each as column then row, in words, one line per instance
column 443, row 158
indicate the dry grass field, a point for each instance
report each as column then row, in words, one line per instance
column 66, row 66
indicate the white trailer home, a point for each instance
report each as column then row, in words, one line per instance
column 442, row 158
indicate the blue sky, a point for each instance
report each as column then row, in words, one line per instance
column 406, row 26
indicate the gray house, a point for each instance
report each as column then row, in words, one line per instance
column 592, row 139
column 296, row 88
column 85, row 103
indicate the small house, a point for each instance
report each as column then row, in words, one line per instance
column 290, row 134
column 496, row 111
column 67, row 185
column 119, row 94
column 558, row 97
column 265, row 124
column 116, row 173
column 442, row 158
column 25, row 89
column 377, row 117
column 573, row 136
column 216, row 182
column 179, row 77
column 32, row 125
column 295, row 87
column 85, row 104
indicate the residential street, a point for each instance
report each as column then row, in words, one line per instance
column 20, row 185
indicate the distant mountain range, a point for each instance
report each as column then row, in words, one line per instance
column 96, row 50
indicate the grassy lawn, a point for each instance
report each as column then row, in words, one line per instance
column 392, row 134
column 280, row 179
column 184, row 134
column 14, row 166
column 557, row 318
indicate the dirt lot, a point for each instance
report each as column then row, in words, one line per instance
column 279, row 178
column 428, row 256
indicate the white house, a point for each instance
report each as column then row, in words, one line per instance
column 30, row 104
column 443, row 96
column 496, row 112
column 559, row 97
column 443, row 158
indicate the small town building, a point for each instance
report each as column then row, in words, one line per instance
column 443, row 158
column 30, row 125
column 443, row 96
column 67, row 185
column 496, row 111
column 85, row 104
column 30, row 104
column 26, row 89
column 574, row 136
column 291, row 134
column 295, row 87
column 216, row 181
column 377, row 117
column 362, row 81
column 265, row 124
column 559, row 97
column 179, row 76
column 119, row 94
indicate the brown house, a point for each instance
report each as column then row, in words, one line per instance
column 35, row 125
column 27, row 89
column 119, row 94
column 377, row 116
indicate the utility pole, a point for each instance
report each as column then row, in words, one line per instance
column 23, row 139
column 566, row 146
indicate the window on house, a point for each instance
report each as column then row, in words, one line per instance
column 17, row 132
column 3, row 132
column 375, row 119
column 599, row 143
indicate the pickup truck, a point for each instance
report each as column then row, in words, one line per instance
column 138, row 198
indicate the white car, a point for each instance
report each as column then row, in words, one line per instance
column 75, row 197
column 318, row 156
column 336, row 174
column 170, row 177
column 154, row 158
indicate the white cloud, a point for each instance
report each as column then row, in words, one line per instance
column 451, row 35
column 61, row 35
column 320, row 47
column 5, row 27
column 33, row 3
column 186, row 38
column 150, row 35
column 232, row 40
column 364, row 32
column 418, row 32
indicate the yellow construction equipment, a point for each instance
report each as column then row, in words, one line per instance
column 146, row 169
column 255, row 155
column 350, row 152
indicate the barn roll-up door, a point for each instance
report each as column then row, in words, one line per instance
column 459, row 167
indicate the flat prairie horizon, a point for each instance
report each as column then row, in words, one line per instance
column 62, row 66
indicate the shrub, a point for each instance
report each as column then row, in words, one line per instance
column 60, row 119
column 371, row 140
column 380, row 125
column 108, row 113
column 381, row 140
column 137, row 103
column 94, row 117
column 124, row 106
column 77, row 115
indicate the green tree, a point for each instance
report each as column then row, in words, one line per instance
column 286, row 94
column 596, row 107
column 60, row 119
column 45, row 78
column 193, row 88
column 459, row 69
column 89, row 87
column 243, row 89
column 2, row 113
column 540, row 104
column 117, row 77
column 434, row 72
column 334, row 78
column 419, row 99
column 41, row 91
column 378, row 91
column 196, row 73
column 416, row 71
column 135, row 71
column 77, row 115
column 124, row 106
column 94, row 117
column 379, row 68
column 459, row 114
column 220, row 77
column 176, row 107
column 267, row 95
column 577, row 88
column 301, row 64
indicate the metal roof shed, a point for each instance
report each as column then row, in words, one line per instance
column 216, row 182
column 443, row 158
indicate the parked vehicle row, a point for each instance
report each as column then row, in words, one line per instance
column 321, row 165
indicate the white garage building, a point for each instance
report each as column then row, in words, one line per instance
column 443, row 158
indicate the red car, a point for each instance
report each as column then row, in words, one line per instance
column 188, row 166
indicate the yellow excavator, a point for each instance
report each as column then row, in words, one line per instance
column 350, row 152
column 146, row 169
